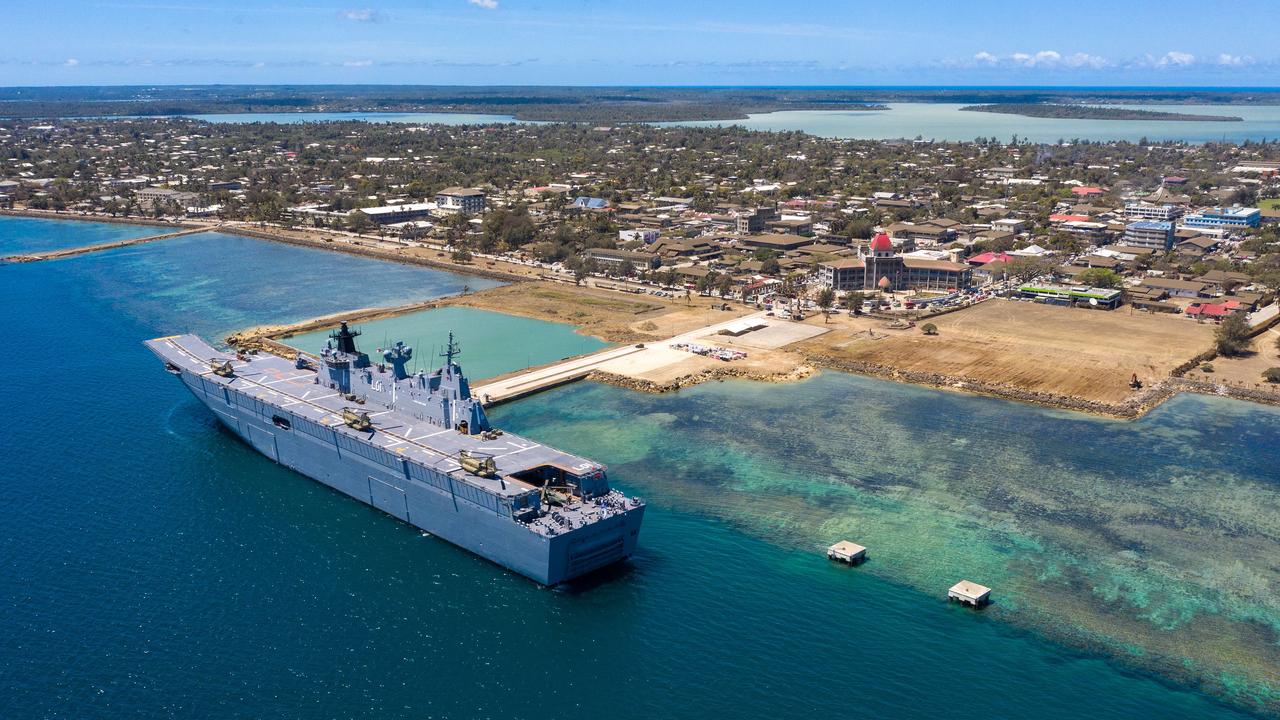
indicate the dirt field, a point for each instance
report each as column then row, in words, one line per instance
column 1246, row 371
column 609, row 315
column 1082, row 353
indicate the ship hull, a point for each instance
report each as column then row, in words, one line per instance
column 440, row 512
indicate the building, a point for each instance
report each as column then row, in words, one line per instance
column 151, row 197
column 589, row 203
column 1148, row 211
column 391, row 214
column 749, row 221
column 1177, row 288
column 647, row 235
column 468, row 201
column 777, row 242
column 1149, row 234
column 1235, row 217
column 610, row 259
column 1052, row 294
column 1094, row 232
column 934, row 232
column 880, row 267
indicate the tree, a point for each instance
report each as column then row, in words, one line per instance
column 1101, row 278
column 770, row 267
column 1271, row 375
column 853, row 301
column 826, row 298
column 358, row 222
column 1026, row 268
column 929, row 329
column 462, row 254
column 724, row 285
column 1232, row 336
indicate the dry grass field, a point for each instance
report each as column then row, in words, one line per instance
column 606, row 314
column 1082, row 353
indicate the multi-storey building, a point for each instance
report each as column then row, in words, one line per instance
column 880, row 267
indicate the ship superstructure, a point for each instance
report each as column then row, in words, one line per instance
column 418, row 446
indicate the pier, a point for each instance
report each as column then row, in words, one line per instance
column 631, row 361
column 87, row 249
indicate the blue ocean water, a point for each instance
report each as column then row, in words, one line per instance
column 23, row 235
column 151, row 565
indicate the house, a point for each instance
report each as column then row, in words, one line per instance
column 1220, row 280
column 1197, row 246
column 1213, row 311
column 1177, row 288
column 590, row 203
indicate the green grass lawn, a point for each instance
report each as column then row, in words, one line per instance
column 1269, row 204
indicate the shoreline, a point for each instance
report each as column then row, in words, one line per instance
column 267, row 338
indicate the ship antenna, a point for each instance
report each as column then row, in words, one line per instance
column 450, row 351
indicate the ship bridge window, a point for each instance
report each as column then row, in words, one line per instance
column 280, row 422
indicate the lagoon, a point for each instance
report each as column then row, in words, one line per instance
column 492, row 343
column 945, row 121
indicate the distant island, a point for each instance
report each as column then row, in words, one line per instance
column 1092, row 112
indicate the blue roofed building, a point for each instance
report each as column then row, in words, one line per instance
column 1233, row 217
column 590, row 203
column 1153, row 234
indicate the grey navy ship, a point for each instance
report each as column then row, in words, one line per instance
column 417, row 446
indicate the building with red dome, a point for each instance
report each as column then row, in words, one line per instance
column 880, row 267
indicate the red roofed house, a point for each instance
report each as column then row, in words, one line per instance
column 986, row 257
column 1061, row 218
column 1086, row 191
column 1213, row 311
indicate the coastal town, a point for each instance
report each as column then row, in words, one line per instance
column 1096, row 276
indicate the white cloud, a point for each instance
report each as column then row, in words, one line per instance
column 1174, row 58
column 986, row 58
column 1234, row 60
column 363, row 15
column 357, row 63
column 486, row 4
column 1085, row 60
column 1047, row 57
column 71, row 62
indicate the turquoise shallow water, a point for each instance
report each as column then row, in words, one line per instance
column 22, row 235
column 151, row 565
column 492, row 343
column 215, row 284
column 945, row 121
column 931, row 121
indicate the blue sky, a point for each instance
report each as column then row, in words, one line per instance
column 662, row 42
